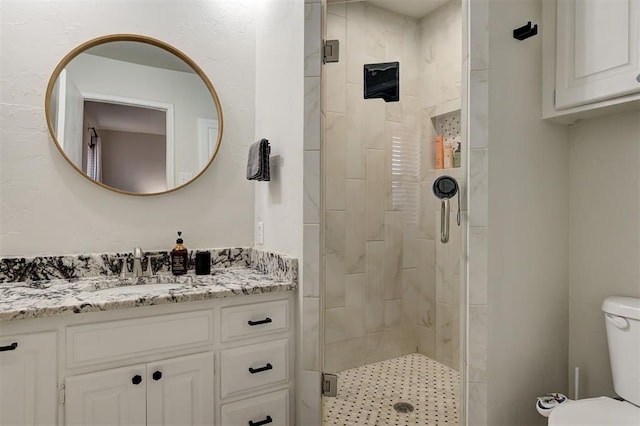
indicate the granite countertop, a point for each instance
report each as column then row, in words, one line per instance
column 19, row 300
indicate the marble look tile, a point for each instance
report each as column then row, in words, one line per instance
column 410, row 245
column 355, row 52
column 479, row 109
column 334, row 325
column 336, row 72
column 478, row 334
column 393, row 314
column 428, row 205
column 376, row 197
column 339, row 9
column 478, row 249
column 311, row 333
column 374, row 288
column 311, row 184
column 478, row 187
column 393, row 111
column 334, row 235
column 426, row 315
column 375, row 135
column 356, row 227
column 355, row 300
column 312, row 130
column 477, row 404
column 355, row 132
column 426, row 338
column 312, row 39
column 393, row 254
column 479, row 34
column 445, row 323
column 309, row 397
column 409, row 309
column 410, row 82
column 335, row 162
column 311, row 261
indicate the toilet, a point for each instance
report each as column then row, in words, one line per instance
column 622, row 318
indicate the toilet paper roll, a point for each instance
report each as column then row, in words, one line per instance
column 546, row 403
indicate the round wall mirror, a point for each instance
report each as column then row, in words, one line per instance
column 133, row 114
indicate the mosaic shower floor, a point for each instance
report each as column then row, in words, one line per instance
column 366, row 394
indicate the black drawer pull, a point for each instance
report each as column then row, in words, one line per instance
column 261, row 422
column 267, row 320
column 137, row 379
column 257, row 370
column 10, row 347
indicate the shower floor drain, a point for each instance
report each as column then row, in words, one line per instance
column 403, row 407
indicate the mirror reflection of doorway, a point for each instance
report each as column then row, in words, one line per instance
column 125, row 146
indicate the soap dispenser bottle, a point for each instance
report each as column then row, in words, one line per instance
column 179, row 257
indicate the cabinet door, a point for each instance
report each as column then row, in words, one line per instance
column 28, row 379
column 598, row 50
column 180, row 391
column 111, row 397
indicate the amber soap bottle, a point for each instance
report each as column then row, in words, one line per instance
column 179, row 257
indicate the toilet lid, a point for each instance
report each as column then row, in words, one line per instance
column 600, row 411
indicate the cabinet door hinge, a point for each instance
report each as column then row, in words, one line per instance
column 329, row 384
column 61, row 394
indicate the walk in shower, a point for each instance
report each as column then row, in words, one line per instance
column 393, row 297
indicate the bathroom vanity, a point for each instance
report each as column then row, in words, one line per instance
column 212, row 349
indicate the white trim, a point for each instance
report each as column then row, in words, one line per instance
column 205, row 150
column 170, row 132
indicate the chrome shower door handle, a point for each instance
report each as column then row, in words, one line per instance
column 444, row 220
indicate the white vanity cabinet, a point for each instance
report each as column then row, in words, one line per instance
column 28, row 392
column 176, row 391
column 591, row 55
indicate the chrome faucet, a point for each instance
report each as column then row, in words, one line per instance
column 137, row 262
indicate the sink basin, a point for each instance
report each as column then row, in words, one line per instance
column 138, row 289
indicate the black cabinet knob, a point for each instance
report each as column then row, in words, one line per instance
column 157, row 375
column 137, row 379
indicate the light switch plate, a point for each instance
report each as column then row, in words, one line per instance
column 260, row 233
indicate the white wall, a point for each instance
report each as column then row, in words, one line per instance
column 605, row 237
column 528, row 218
column 48, row 208
column 279, row 118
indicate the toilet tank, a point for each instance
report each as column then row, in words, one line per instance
column 622, row 318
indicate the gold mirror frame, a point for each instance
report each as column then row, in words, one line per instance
column 142, row 39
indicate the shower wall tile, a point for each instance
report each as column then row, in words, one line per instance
column 335, row 161
column 409, row 245
column 311, row 184
column 376, row 197
column 356, row 225
column 375, row 287
column 356, row 42
column 334, row 325
column 335, row 225
column 428, row 203
column 375, row 42
column 338, row 9
column 478, row 245
column 410, row 75
column 311, row 261
column 355, row 132
column 374, row 124
column 311, row 333
column 478, row 334
column 312, row 125
column 477, row 404
column 393, row 314
column 478, row 116
column 409, row 309
column 312, row 39
column 426, row 284
column 335, row 89
column 478, row 187
column 479, row 27
column 310, row 398
column 355, row 298
column 393, row 254
column 445, row 323
column 426, row 338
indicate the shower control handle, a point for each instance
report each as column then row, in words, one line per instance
column 444, row 220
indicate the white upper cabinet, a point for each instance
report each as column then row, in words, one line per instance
column 598, row 50
column 591, row 55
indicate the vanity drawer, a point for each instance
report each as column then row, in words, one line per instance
column 253, row 366
column 254, row 319
column 258, row 410
column 115, row 340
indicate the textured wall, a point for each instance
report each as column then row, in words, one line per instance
column 47, row 208
column 381, row 288
column 604, row 187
